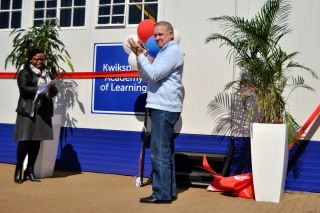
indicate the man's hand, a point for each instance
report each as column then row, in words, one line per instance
column 135, row 47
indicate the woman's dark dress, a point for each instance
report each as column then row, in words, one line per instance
column 29, row 125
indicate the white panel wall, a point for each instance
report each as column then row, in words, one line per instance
column 206, row 71
column 204, row 74
column 305, row 39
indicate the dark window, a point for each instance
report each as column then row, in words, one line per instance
column 118, row 9
column 17, row 4
column 111, row 12
column 105, row 1
column 51, row 14
column 118, row 1
column 74, row 11
column 37, row 22
column 4, row 20
column 39, row 4
column 10, row 14
column 16, row 19
column 44, row 10
column 78, row 17
column 79, row 2
column 71, row 13
column 5, row 5
column 142, row 9
column 65, row 17
column 134, row 14
column 151, row 11
column 39, row 14
column 121, row 12
column 104, row 10
column 52, row 3
column 66, row 3
column 103, row 20
column 117, row 19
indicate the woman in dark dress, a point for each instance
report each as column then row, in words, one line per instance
column 34, row 115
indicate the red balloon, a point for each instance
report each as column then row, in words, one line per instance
column 145, row 29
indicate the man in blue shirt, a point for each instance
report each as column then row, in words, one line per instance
column 164, row 101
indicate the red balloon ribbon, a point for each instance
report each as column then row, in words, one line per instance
column 82, row 75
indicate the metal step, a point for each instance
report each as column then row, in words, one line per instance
column 189, row 161
column 194, row 176
column 189, row 166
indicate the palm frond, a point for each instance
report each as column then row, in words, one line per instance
column 293, row 128
column 230, row 84
column 293, row 64
column 45, row 37
column 265, row 69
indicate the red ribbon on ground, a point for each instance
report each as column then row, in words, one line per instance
column 83, row 75
column 238, row 185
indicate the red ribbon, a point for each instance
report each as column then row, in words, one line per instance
column 82, row 75
column 128, row 74
column 238, row 185
column 7, row 75
column 310, row 120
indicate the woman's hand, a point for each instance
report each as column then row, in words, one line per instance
column 53, row 90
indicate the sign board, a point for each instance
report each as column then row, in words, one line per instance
column 116, row 95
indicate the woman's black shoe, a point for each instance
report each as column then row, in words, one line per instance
column 29, row 174
column 18, row 174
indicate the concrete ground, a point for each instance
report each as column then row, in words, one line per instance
column 93, row 192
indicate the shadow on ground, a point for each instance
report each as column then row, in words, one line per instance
column 57, row 173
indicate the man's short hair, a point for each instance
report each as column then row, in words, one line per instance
column 165, row 24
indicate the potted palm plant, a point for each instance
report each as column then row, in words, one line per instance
column 268, row 75
column 44, row 37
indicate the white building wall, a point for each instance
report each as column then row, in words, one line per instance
column 206, row 71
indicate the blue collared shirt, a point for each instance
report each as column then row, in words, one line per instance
column 164, row 78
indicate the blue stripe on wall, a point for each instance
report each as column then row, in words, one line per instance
column 304, row 168
column 117, row 152
column 7, row 145
column 106, row 151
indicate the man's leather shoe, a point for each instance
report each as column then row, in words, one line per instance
column 152, row 199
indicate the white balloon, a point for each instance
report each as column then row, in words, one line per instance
column 126, row 46
column 177, row 36
column 132, row 60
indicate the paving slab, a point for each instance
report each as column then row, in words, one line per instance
column 69, row 191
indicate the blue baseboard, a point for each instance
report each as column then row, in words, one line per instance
column 117, row 152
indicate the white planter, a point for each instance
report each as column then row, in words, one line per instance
column 269, row 155
column 46, row 159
